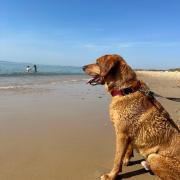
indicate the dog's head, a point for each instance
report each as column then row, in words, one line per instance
column 109, row 68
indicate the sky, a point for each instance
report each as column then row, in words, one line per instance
column 76, row 32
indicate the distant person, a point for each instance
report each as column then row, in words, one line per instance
column 35, row 68
column 28, row 69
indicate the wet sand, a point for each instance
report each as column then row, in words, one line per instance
column 62, row 131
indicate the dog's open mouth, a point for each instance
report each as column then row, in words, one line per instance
column 95, row 80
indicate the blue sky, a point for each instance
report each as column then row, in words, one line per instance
column 75, row 32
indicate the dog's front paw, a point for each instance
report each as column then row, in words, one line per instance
column 145, row 165
column 107, row 177
column 126, row 162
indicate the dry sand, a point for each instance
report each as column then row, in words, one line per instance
column 62, row 131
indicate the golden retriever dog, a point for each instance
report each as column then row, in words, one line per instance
column 139, row 120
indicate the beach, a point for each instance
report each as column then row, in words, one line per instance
column 58, row 127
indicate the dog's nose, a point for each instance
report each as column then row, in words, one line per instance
column 84, row 67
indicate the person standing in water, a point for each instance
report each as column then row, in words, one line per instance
column 28, row 68
column 35, row 68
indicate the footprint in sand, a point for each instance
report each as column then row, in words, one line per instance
column 178, row 113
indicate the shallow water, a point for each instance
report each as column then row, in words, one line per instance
column 33, row 81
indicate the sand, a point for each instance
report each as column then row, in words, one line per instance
column 62, row 131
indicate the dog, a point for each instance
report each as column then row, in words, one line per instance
column 139, row 120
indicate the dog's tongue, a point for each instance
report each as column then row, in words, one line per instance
column 91, row 80
column 95, row 80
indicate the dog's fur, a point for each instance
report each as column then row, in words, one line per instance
column 139, row 121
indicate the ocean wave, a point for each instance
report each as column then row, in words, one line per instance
column 11, row 87
column 39, row 74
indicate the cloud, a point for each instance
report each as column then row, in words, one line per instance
column 111, row 45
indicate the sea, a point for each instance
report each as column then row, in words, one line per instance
column 14, row 76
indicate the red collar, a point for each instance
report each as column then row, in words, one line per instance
column 126, row 91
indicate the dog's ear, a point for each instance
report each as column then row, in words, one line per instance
column 106, row 63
